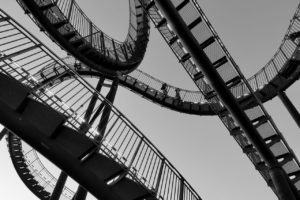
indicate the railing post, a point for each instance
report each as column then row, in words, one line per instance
column 114, row 46
column 70, row 9
column 91, row 33
column 102, row 42
column 289, row 106
column 181, row 194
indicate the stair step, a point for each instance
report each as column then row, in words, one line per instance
column 43, row 117
column 69, row 35
column 85, row 49
column 60, row 24
column 233, row 82
column 259, row 120
column 77, row 43
column 284, row 158
column 47, row 7
column 182, row 4
column 103, row 167
column 207, row 42
column 261, row 166
column 73, row 142
column 249, row 149
column 162, row 22
column 128, row 189
column 272, row 140
column 220, row 62
column 173, row 40
column 195, row 23
column 12, row 92
column 246, row 101
column 185, row 57
column 198, row 76
column 152, row 3
column 291, row 67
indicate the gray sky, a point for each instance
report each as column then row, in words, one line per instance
column 200, row 147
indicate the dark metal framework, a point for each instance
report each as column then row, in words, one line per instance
column 95, row 138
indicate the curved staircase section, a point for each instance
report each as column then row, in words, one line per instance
column 115, row 161
column 68, row 25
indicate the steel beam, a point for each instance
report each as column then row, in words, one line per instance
column 190, row 42
column 59, row 186
column 289, row 106
column 107, row 110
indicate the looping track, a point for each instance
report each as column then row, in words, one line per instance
column 118, row 59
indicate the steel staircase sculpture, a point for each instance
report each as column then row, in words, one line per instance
column 48, row 85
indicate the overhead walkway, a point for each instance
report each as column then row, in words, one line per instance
column 63, row 123
column 65, row 23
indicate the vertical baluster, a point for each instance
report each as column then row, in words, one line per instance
column 290, row 107
column 102, row 43
column 91, row 33
column 167, row 171
column 159, row 175
column 150, row 164
column 124, row 52
column 181, row 191
column 115, row 51
column 141, row 163
column 135, row 153
column 70, row 9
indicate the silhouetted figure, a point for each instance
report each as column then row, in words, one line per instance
column 177, row 94
column 164, row 89
column 77, row 65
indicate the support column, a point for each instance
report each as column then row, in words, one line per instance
column 218, row 84
column 80, row 194
column 289, row 106
column 107, row 109
column 89, row 111
column 59, row 186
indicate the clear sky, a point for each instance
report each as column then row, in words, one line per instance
column 200, row 147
